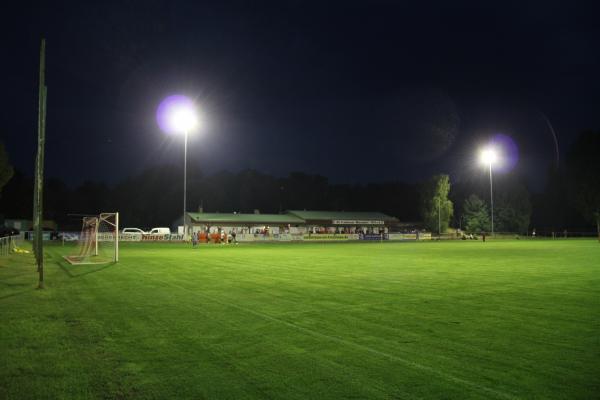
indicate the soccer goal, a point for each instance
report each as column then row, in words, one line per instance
column 99, row 240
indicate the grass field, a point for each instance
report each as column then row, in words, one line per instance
column 447, row 320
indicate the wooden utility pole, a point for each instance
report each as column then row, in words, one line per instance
column 38, row 189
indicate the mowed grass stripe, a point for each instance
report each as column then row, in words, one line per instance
column 351, row 344
column 173, row 295
column 169, row 274
column 176, row 296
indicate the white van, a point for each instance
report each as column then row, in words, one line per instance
column 133, row 230
column 160, row 231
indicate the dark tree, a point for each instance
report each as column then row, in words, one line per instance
column 583, row 170
column 6, row 170
column 16, row 200
column 476, row 215
column 512, row 207
column 154, row 197
column 436, row 208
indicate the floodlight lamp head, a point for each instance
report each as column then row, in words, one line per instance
column 488, row 156
column 183, row 119
column 177, row 114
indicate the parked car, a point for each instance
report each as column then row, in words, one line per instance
column 133, row 230
column 160, row 231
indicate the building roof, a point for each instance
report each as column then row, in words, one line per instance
column 294, row 217
column 342, row 216
column 224, row 218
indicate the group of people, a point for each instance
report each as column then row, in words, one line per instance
column 218, row 237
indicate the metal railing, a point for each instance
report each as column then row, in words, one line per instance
column 563, row 234
column 7, row 244
column 514, row 235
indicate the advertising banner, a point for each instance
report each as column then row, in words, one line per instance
column 102, row 237
column 410, row 236
column 124, row 237
column 280, row 237
column 250, row 237
column 130, row 237
column 289, row 237
column 28, row 235
column 373, row 236
column 69, row 236
column 329, row 237
column 245, row 237
column 403, row 236
column 357, row 222
column 164, row 237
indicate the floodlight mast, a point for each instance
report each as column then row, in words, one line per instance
column 185, row 141
column 492, row 199
column 489, row 157
column 177, row 114
column 439, row 218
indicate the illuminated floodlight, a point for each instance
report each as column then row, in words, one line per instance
column 177, row 114
column 488, row 156
column 183, row 120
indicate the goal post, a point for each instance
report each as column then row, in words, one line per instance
column 99, row 240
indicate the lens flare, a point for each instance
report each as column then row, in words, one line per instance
column 489, row 156
column 506, row 150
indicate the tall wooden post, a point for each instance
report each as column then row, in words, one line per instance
column 38, row 240
column 117, row 237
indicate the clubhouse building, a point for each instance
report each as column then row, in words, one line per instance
column 292, row 225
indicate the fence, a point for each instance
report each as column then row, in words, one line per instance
column 7, row 244
column 297, row 237
column 514, row 235
column 564, row 234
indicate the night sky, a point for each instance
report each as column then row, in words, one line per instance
column 356, row 91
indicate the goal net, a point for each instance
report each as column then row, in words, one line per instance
column 99, row 240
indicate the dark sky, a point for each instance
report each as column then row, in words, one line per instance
column 356, row 91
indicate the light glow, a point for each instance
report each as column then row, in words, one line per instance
column 507, row 152
column 488, row 156
column 177, row 114
column 183, row 120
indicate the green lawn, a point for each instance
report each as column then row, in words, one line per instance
column 445, row 320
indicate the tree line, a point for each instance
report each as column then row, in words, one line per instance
column 155, row 196
column 571, row 198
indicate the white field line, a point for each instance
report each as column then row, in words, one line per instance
column 412, row 364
